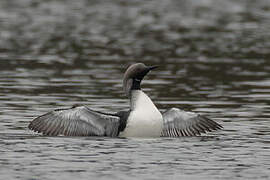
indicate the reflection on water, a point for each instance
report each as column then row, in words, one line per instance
column 214, row 60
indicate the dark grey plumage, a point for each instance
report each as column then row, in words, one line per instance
column 180, row 123
column 134, row 75
column 82, row 121
column 79, row 121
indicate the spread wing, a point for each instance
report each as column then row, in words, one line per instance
column 76, row 121
column 180, row 123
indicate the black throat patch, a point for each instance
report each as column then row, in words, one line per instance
column 136, row 84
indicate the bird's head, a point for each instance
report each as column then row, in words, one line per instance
column 134, row 75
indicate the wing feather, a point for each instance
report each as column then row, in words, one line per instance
column 76, row 121
column 180, row 123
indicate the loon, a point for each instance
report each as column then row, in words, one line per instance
column 143, row 119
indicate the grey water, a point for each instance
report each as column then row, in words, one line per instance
column 214, row 58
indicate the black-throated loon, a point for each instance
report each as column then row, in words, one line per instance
column 143, row 119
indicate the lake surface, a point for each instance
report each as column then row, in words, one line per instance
column 214, row 59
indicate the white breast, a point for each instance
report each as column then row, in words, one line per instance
column 144, row 120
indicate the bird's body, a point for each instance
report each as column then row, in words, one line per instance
column 143, row 119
